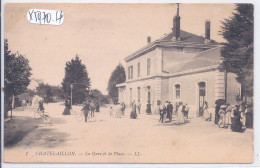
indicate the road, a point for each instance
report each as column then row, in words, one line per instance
column 121, row 140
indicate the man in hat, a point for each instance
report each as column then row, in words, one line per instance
column 85, row 110
column 169, row 110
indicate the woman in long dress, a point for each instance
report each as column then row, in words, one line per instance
column 242, row 113
column 206, row 113
column 217, row 108
column 228, row 114
column 222, row 114
column 180, row 116
column 67, row 108
column 249, row 116
column 148, row 108
column 236, row 125
column 133, row 114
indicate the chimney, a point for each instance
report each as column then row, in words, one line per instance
column 149, row 40
column 207, row 30
column 176, row 25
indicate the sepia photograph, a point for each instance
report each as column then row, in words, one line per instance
column 128, row 83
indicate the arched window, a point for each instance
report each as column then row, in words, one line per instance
column 202, row 94
column 202, row 88
column 138, row 93
column 149, row 93
column 178, row 91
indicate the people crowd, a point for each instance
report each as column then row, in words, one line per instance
column 237, row 117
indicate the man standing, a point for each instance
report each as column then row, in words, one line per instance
column 85, row 109
column 139, row 106
column 186, row 111
column 169, row 111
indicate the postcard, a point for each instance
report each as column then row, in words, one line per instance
column 128, row 83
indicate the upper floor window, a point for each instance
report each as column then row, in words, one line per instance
column 178, row 91
column 148, row 66
column 138, row 69
column 130, row 72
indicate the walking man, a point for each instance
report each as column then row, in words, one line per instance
column 85, row 110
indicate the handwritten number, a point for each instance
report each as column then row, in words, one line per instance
column 53, row 17
column 58, row 18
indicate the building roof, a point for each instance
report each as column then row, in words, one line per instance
column 186, row 40
column 204, row 59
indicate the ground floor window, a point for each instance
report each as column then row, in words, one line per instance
column 149, row 94
column 202, row 94
column 138, row 93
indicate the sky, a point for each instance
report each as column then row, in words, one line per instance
column 102, row 35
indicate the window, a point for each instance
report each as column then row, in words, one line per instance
column 130, row 72
column 149, row 94
column 148, row 66
column 130, row 98
column 202, row 94
column 178, row 91
column 138, row 69
column 202, row 89
column 138, row 93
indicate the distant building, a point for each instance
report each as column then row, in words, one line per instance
column 34, row 84
column 180, row 66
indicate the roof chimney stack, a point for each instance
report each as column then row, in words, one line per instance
column 176, row 25
column 207, row 30
column 149, row 40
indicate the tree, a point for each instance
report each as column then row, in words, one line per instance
column 238, row 51
column 57, row 92
column 98, row 96
column 44, row 90
column 76, row 75
column 48, row 92
column 17, row 74
column 117, row 76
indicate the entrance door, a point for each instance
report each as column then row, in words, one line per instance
column 149, row 94
column 131, row 97
column 202, row 93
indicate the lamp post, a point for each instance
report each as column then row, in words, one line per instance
column 71, row 87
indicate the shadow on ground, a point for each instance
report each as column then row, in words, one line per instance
column 45, row 137
column 172, row 123
column 27, row 131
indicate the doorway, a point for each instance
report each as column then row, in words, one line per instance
column 202, row 94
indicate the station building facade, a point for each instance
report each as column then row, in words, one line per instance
column 180, row 66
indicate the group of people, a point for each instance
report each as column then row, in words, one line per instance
column 236, row 117
column 88, row 106
column 117, row 110
column 166, row 111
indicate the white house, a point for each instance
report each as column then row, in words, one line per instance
column 179, row 66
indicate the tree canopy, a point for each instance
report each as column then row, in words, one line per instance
column 98, row 96
column 117, row 76
column 76, row 75
column 17, row 72
column 238, row 51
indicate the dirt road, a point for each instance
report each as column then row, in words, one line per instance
column 121, row 140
